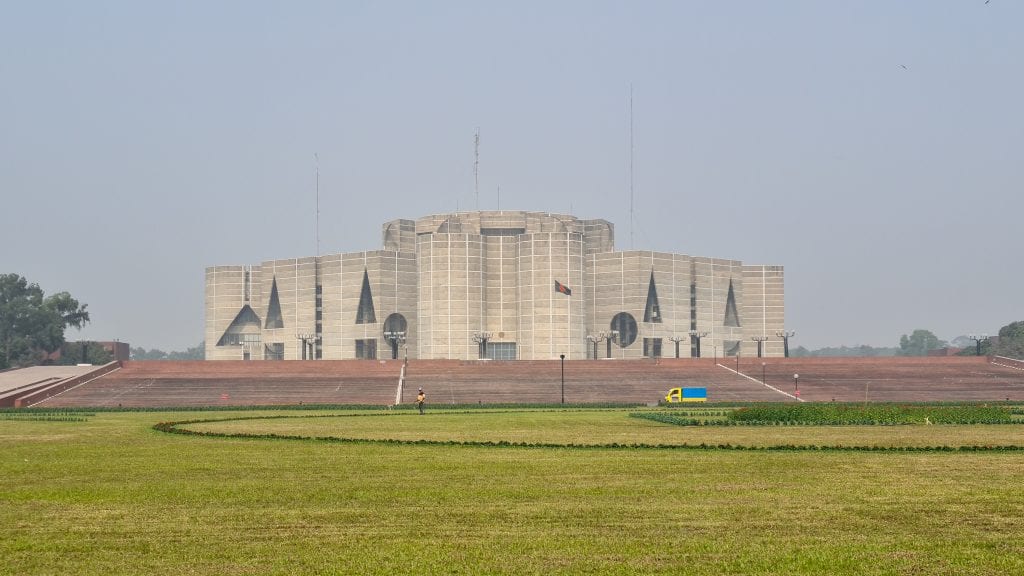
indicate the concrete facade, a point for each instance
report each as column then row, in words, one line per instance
column 485, row 284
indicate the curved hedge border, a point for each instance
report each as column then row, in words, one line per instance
column 173, row 428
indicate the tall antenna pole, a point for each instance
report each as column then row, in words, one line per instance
column 476, row 168
column 316, row 157
column 631, row 166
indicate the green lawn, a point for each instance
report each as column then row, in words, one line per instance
column 112, row 495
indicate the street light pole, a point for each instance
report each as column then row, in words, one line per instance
column 562, row 357
column 595, row 339
column 796, row 385
column 305, row 338
column 677, row 340
column 481, row 339
column 785, row 335
column 760, row 341
column 696, row 336
column 395, row 339
column 763, row 379
column 977, row 342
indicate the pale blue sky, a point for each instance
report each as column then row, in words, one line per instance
column 872, row 148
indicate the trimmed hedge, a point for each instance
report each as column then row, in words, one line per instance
column 872, row 414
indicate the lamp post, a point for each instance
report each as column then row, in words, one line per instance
column 760, row 342
column 677, row 340
column 763, row 379
column 395, row 339
column 595, row 339
column 306, row 339
column 796, row 385
column 247, row 348
column 696, row 336
column 612, row 336
column 978, row 339
column 785, row 335
column 562, row 357
column 481, row 339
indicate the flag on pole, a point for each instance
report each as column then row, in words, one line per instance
column 559, row 287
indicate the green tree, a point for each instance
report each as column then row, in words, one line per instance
column 193, row 353
column 1011, row 341
column 32, row 325
column 71, row 353
column 919, row 343
column 141, row 353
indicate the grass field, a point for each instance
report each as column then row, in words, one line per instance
column 113, row 495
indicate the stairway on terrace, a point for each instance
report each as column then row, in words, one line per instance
column 586, row 381
column 237, row 383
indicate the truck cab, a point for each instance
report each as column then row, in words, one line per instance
column 686, row 395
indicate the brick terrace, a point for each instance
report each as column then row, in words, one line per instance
column 237, row 383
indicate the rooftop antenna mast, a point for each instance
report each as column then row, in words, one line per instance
column 316, row 158
column 476, row 168
column 631, row 166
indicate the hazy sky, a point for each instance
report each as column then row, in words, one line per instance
column 873, row 148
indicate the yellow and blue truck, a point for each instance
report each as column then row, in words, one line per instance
column 687, row 395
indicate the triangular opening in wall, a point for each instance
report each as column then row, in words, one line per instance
column 731, row 317
column 274, row 319
column 366, row 315
column 652, row 313
column 246, row 322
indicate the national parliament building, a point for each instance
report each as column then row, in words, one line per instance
column 502, row 285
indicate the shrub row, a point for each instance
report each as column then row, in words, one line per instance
column 677, row 420
column 42, row 418
column 873, row 414
column 50, row 411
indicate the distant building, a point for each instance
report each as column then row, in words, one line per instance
column 499, row 285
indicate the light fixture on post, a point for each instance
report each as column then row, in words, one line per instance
column 613, row 336
column 760, row 343
column 248, row 347
column 978, row 339
column 785, row 335
column 481, row 339
column 395, row 339
column 562, row 357
column 307, row 340
column 796, row 385
column 764, row 380
column 677, row 340
column 595, row 339
column 695, row 336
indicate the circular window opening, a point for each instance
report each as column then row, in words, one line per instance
column 625, row 325
column 395, row 323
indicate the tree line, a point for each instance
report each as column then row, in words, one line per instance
column 1009, row 342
